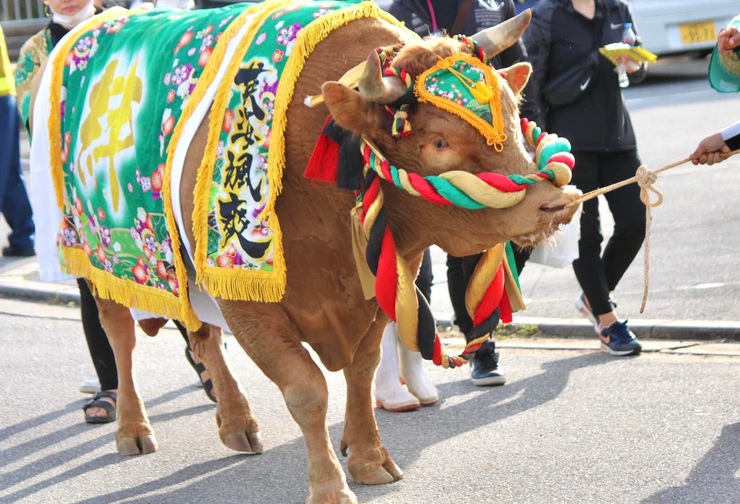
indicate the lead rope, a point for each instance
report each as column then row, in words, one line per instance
column 645, row 178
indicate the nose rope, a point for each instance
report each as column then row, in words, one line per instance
column 645, row 178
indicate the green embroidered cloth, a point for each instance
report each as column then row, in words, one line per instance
column 130, row 84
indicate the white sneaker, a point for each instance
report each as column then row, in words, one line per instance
column 90, row 386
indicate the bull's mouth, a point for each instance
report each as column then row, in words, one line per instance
column 552, row 209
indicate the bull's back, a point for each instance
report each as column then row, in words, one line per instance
column 323, row 297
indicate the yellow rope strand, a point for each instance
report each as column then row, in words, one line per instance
column 645, row 178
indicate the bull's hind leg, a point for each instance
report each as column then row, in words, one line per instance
column 237, row 428
column 135, row 434
column 369, row 461
column 270, row 340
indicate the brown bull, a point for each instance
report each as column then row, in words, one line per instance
column 323, row 304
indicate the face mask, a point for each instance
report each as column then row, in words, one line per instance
column 70, row 22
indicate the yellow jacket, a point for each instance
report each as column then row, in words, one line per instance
column 7, row 84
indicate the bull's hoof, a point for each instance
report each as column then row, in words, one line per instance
column 371, row 473
column 142, row 445
column 249, row 442
column 345, row 496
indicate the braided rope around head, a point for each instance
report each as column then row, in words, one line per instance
column 395, row 290
column 481, row 190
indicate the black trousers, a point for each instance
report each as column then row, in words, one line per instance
column 424, row 278
column 101, row 352
column 599, row 273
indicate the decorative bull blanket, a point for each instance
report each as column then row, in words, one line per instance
column 130, row 85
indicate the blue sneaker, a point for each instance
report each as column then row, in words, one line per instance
column 617, row 339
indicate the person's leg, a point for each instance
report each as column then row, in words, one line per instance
column 456, row 284
column 390, row 394
column 16, row 206
column 521, row 256
column 192, row 354
column 410, row 362
column 629, row 217
column 100, row 350
column 629, row 232
column 396, row 360
column 589, row 267
column 484, row 370
column 597, row 274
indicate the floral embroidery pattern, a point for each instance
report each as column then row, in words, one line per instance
column 115, row 211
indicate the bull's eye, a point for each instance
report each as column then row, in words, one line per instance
column 441, row 144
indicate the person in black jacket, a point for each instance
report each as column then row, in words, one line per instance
column 564, row 34
column 465, row 17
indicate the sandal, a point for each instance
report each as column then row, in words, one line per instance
column 200, row 368
column 98, row 402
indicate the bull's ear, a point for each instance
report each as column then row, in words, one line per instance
column 517, row 76
column 349, row 109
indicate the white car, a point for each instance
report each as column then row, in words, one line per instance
column 672, row 27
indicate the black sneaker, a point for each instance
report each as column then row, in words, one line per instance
column 14, row 252
column 617, row 339
column 484, row 366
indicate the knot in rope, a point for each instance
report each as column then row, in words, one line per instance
column 474, row 47
column 645, row 179
column 401, row 126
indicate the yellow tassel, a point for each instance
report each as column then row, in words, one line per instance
column 125, row 292
column 206, row 78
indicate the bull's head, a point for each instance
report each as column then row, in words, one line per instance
column 445, row 140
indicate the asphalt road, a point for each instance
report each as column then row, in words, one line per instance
column 572, row 425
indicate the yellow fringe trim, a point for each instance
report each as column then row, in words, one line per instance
column 263, row 286
column 209, row 73
column 125, row 292
column 76, row 261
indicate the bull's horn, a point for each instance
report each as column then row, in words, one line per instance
column 376, row 88
column 495, row 39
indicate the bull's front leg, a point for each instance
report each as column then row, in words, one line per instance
column 135, row 435
column 369, row 462
column 272, row 342
column 237, row 428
